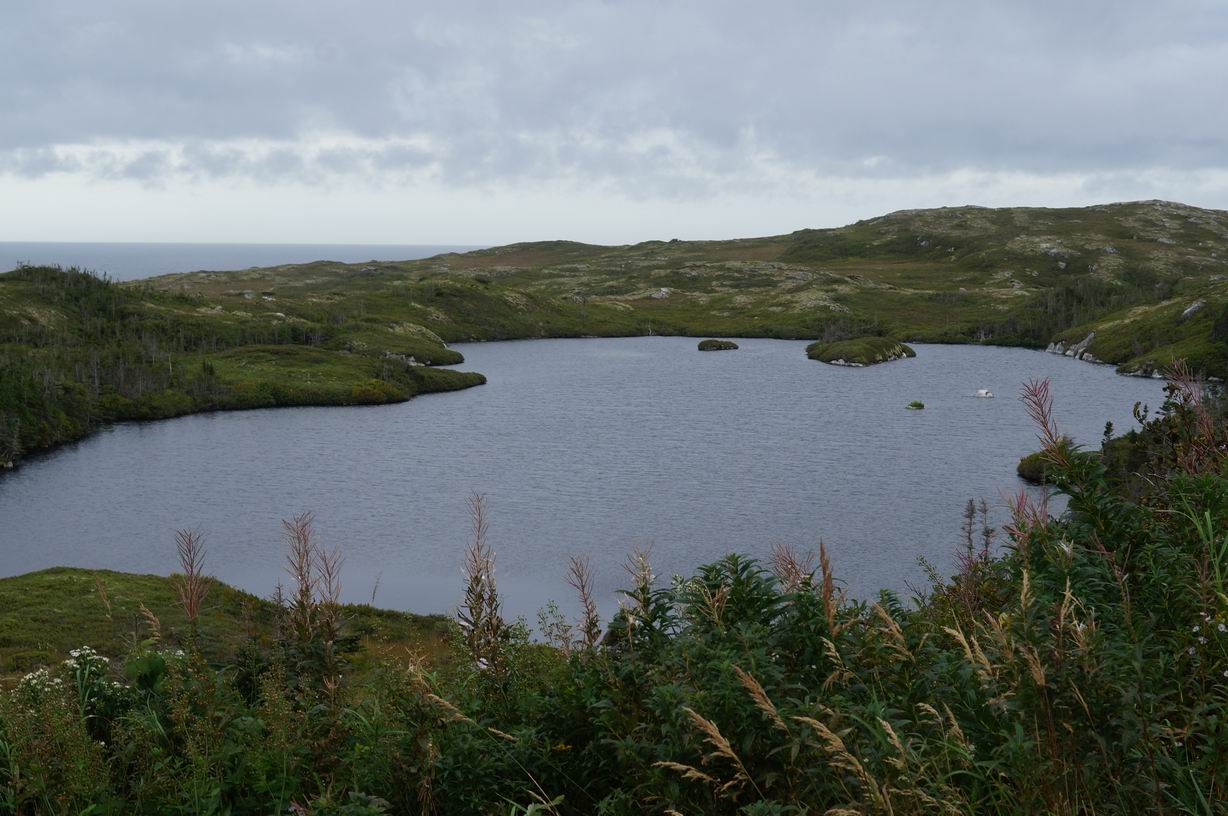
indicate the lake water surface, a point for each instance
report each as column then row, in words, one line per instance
column 586, row 447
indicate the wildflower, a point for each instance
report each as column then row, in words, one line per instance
column 1195, row 629
column 1192, row 650
column 1202, row 640
column 1222, row 628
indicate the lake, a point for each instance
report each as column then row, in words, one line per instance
column 589, row 447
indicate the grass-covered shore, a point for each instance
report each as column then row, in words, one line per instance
column 1071, row 665
column 1137, row 284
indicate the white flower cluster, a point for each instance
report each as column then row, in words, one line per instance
column 38, row 682
column 84, row 667
column 1205, row 632
column 86, row 657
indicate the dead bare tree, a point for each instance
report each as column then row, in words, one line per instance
column 791, row 567
column 192, row 584
column 480, row 614
column 580, row 578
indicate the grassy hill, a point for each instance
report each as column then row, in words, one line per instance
column 1147, row 281
column 1019, row 276
column 46, row 614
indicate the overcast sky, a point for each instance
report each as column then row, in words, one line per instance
column 489, row 122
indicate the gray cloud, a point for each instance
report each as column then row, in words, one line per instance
column 653, row 97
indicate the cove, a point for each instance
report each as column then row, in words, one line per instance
column 582, row 447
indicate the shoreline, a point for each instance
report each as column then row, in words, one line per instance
column 41, row 452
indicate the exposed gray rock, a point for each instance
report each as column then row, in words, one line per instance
column 1076, row 350
column 1193, row 309
column 407, row 359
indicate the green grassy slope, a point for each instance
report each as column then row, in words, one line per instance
column 45, row 614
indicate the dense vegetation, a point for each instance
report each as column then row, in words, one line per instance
column 77, row 351
column 859, row 351
column 1078, row 665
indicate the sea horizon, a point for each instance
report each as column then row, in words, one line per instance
column 134, row 260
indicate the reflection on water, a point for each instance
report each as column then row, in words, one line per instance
column 586, row 447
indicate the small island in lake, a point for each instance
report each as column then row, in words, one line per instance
column 717, row 345
column 859, row 351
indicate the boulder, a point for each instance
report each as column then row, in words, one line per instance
column 712, row 344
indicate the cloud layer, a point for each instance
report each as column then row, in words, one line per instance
column 640, row 101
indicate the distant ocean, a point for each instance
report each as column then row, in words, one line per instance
column 133, row 261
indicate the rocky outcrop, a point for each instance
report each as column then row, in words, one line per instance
column 1079, row 350
column 407, row 359
column 1193, row 309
